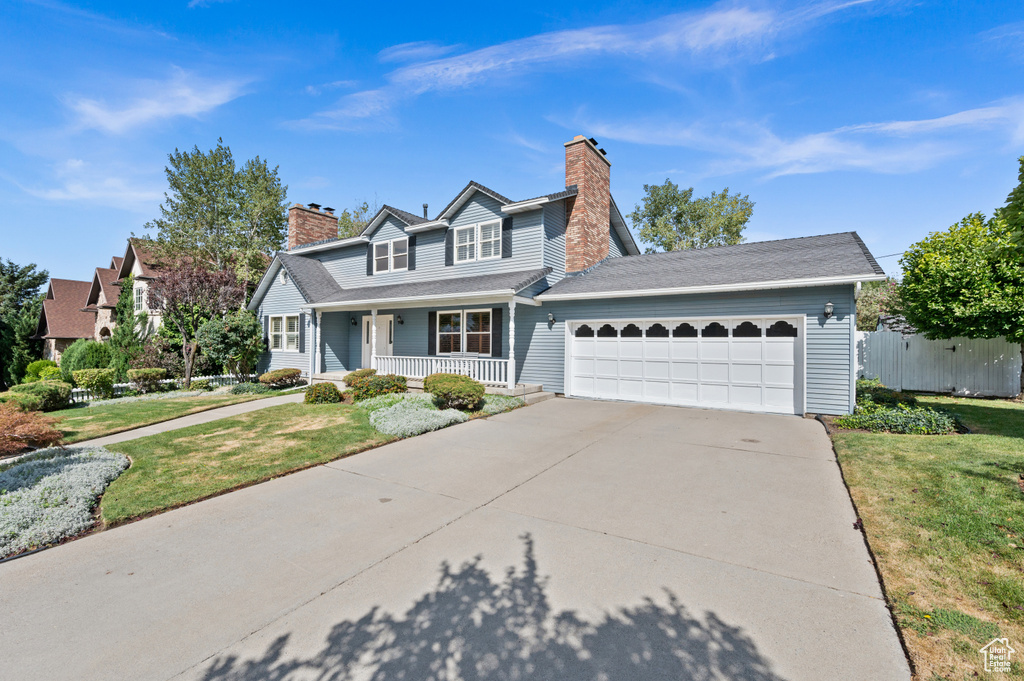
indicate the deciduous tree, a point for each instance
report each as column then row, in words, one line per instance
column 352, row 222
column 187, row 294
column 877, row 298
column 672, row 220
column 234, row 340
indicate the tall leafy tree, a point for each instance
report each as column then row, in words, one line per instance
column 129, row 335
column 670, row 219
column 877, row 298
column 20, row 305
column 187, row 295
column 352, row 222
column 1012, row 214
column 221, row 216
column 965, row 281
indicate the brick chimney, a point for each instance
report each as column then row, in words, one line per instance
column 309, row 225
column 587, row 216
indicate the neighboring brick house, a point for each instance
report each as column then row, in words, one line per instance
column 139, row 262
column 103, row 295
column 64, row 318
column 552, row 291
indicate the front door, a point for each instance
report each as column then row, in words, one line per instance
column 385, row 336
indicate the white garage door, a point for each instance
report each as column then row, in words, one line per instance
column 748, row 364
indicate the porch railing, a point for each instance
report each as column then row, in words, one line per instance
column 483, row 369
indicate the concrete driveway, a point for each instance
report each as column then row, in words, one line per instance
column 570, row 539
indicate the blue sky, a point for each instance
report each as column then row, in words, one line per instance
column 893, row 118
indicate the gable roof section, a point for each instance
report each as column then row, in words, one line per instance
column 115, row 263
column 147, row 260
column 464, row 196
column 622, row 229
column 103, row 282
column 309, row 275
column 405, row 217
column 785, row 263
column 62, row 315
column 504, row 283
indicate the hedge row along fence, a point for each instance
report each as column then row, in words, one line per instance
column 79, row 395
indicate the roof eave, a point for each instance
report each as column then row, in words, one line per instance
column 412, row 301
column 427, row 226
column 717, row 288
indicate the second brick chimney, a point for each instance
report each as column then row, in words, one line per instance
column 309, row 225
column 588, row 215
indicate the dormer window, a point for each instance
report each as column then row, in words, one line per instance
column 478, row 242
column 391, row 256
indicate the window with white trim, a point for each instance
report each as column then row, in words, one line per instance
column 481, row 241
column 464, row 331
column 391, row 256
column 139, row 298
column 284, row 333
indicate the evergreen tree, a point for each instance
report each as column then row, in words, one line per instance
column 129, row 333
column 20, row 305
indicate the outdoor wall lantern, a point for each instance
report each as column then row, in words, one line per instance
column 829, row 309
column 400, row 320
column 551, row 318
column 353, row 321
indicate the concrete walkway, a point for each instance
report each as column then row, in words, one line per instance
column 195, row 419
column 570, row 540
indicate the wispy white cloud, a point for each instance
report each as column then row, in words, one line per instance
column 204, row 3
column 886, row 147
column 183, row 94
column 723, row 32
column 317, row 90
column 417, row 51
column 79, row 181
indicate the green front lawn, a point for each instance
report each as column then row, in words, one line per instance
column 86, row 423
column 944, row 515
column 186, row 465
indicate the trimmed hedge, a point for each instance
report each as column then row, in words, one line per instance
column 453, row 391
column 34, row 371
column 322, row 393
column 147, row 380
column 353, row 377
column 374, row 386
column 249, row 389
column 25, row 401
column 97, row 381
column 202, row 384
column 50, row 374
column 52, row 394
column 84, row 354
column 281, row 378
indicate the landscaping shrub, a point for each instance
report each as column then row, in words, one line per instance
column 83, row 354
column 50, row 374
column 354, row 377
column 147, row 380
column 54, row 394
column 21, row 430
column 374, row 386
column 234, row 340
column 452, row 391
column 34, row 371
column 495, row 404
column 202, row 384
column 900, row 419
column 413, row 416
column 97, row 381
column 249, row 389
column 372, row 404
column 872, row 391
column 322, row 393
column 50, row 495
column 24, row 401
column 281, row 378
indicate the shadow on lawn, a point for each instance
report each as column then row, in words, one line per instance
column 985, row 417
column 472, row 627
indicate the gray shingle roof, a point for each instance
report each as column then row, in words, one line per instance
column 405, row 216
column 831, row 255
column 454, row 286
column 476, row 185
column 310, row 276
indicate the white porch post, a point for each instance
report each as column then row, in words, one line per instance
column 312, row 347
column 319, row 323
column 373, row 338
column 512, row 344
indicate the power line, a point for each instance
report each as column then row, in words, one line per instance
column 891, row 255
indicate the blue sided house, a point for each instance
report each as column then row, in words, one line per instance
column 553, row 291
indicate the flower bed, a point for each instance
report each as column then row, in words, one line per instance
column 405, row 415
column 880, row 409
column 49, row 495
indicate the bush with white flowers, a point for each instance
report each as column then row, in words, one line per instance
column 49, row 495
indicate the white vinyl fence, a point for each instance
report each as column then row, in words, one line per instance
column 984, row 367
column 84, row 395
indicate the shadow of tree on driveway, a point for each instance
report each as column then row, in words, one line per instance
column 471, row 628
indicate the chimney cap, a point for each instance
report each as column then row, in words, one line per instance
column 424, row 210
column 329, row 211
column 593, row 141
column 314, row 206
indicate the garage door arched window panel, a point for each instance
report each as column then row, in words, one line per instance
column 657, row 331
column 747, row 330
column 584, row 331
column 715, row 330
column 781, row 329
column 684, row 330
column 607, row 331
column 632, row 331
